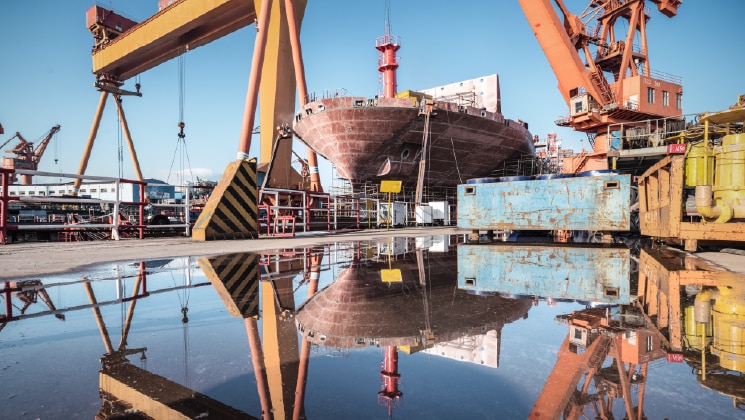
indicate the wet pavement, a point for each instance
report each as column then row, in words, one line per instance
column 405, row 327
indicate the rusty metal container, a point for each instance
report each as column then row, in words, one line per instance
column 599, row 202
column 597, row 273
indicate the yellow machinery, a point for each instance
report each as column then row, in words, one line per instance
column 714, row 167
column 710, row 331
column 720, row 189
column 723, row 308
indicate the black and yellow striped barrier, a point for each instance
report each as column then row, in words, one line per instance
column 231, row 211
column 235, row 277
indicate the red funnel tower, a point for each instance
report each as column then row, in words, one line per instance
column 387, row 45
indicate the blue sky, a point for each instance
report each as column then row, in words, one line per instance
column 45, row 76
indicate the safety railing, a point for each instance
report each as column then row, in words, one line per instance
column 347, row 212
column 302, row 210
column 73, row 225
column 172, row 215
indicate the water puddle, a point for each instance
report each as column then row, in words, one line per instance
column 427, row 327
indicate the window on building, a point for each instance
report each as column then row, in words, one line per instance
column 650, row 95
column 40, row 193
column 84, row 190
column 21, row 192
column 578, row 334
column 60, row 192
column 679, row 100
column 665, row 98
column 12, row 193
column 103, row 190
column 650, row 347
column 93, row 190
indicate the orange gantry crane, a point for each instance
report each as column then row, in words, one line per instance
column 26, row 155
column 604, row 75
column 581, row 381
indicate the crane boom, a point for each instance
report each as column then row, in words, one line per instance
column 604, row 75
column 614, row 72
column 174, row 29
column 39, row 151
column 26, row 156
column 558, row 47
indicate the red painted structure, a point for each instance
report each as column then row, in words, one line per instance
column 388, row 44
column 390, row 394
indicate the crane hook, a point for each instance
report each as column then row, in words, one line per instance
column 181, row 126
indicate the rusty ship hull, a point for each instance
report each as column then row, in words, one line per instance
column 368, row 140
column 358, row 309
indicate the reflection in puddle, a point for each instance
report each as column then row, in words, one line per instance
column 545, row 330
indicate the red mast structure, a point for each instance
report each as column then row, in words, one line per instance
column 387, row 45
column 390, row 395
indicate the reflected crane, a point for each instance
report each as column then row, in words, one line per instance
column 245, row 282
column 581, row 381
column 28, row 292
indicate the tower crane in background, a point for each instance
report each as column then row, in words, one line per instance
column 605, row 76
column 26, row 155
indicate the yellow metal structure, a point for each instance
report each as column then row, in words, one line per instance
column 390, row 186
column 235, row 214
column 278, row 88
column 698, row 160
column 728, row 324
column 664, row 275
column 235, row 277
column 710, row 330
column 184, row 25
column 725, row 199
column 715, row 166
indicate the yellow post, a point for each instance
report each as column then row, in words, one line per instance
column 390, row 213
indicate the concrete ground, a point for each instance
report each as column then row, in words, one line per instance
column 28, row 259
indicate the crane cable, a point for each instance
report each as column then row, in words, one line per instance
column 181, row 150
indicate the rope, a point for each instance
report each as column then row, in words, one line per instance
column 182, row 152
column 120, row 146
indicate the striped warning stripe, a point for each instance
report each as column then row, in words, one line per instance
column 236, row 279
column 231, row 211
column 237, row 211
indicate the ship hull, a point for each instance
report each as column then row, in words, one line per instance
column 369, row 140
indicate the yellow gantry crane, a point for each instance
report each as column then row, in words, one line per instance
column 124, row 48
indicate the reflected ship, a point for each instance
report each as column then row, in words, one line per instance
column 359, row 309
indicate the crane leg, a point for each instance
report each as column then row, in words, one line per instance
column 91, row 139
column 128, row 137
column 232, row 210
column 297, row 59
column 278, row 91
column 254, row 80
